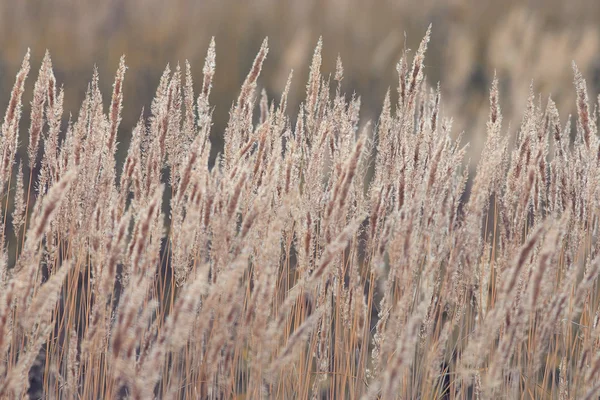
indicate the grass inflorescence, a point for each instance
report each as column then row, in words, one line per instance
column 318, row 258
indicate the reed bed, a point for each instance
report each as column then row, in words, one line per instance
column 318, row 258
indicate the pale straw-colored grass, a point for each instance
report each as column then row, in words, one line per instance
column 319, row 258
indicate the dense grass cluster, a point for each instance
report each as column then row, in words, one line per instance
column 318, row 258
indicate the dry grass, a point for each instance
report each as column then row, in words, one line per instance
column 316, row 259
column 519, row 40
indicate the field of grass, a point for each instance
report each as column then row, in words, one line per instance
column 318, row 258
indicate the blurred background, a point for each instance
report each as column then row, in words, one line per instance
column 521, row 41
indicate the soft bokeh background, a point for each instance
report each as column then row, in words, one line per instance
column 521, row 41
